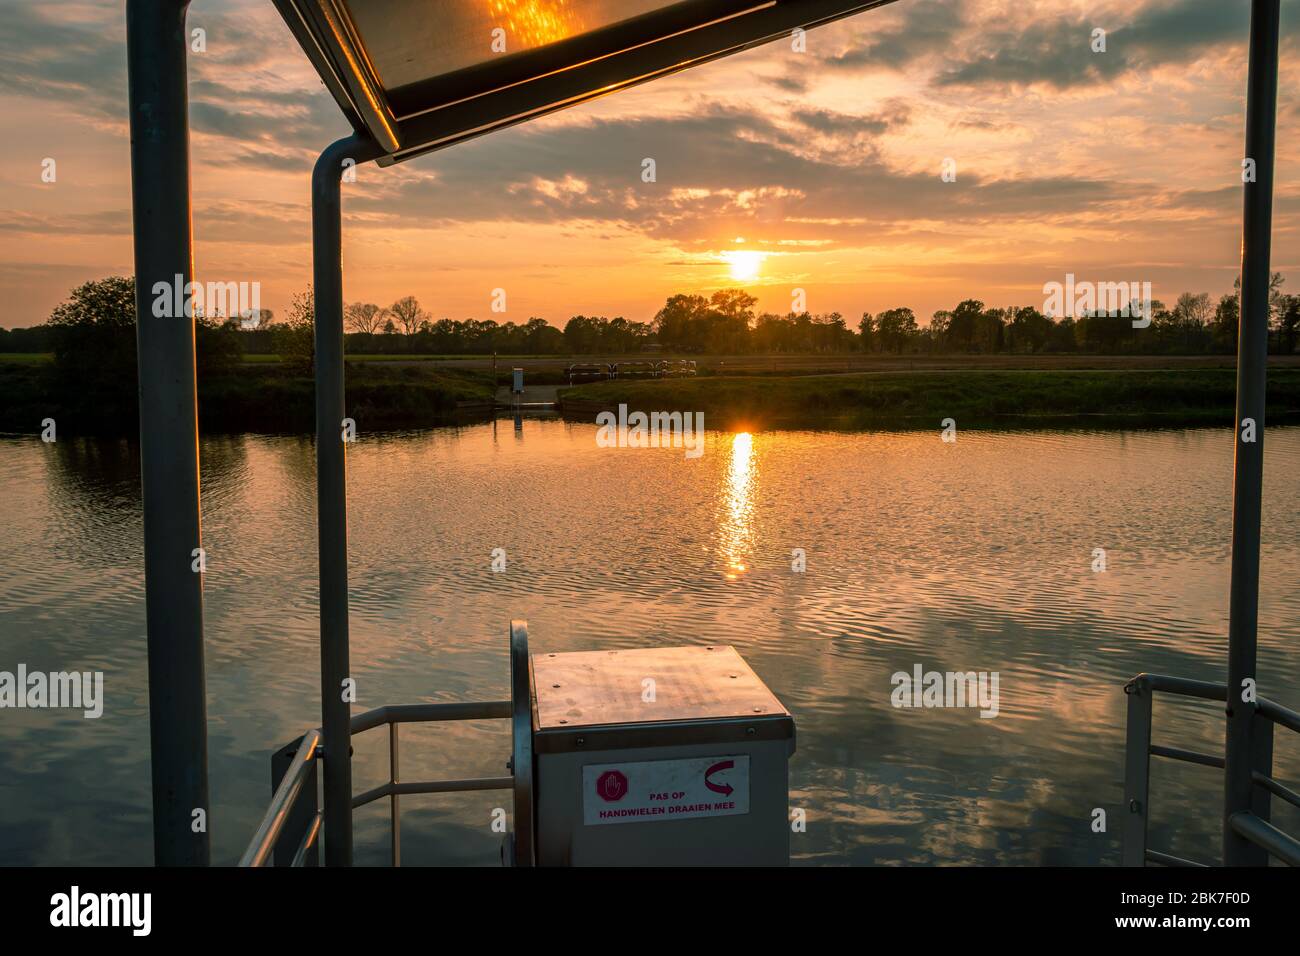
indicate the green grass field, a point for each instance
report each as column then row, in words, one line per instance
column 259, row 359
column 985, row 399
column 263, row 395
column 37, row 358
column 254, row 397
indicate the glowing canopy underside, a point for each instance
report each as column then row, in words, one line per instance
column 417, row 75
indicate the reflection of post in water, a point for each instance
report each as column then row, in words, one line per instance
column 94, row 473
column 93, row 486
column 519, row 426
column 95, row 466
column 738, row 522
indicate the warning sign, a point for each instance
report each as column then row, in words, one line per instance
column 656, row 790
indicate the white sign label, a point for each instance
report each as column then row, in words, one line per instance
column 656, row 790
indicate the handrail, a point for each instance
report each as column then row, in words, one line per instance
column 286, row 795
column 433, row 786
column 1275, row 788
column 1262, row 833
column 1275, row 712
column 1253, row 826
column 1187, row 756
column 290, row 789
column 1213, row 690
column 309, row 838
column 1165, row 859
column 1182, row 686
column 421, row 713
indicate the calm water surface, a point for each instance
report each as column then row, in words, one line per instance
column 973, row 556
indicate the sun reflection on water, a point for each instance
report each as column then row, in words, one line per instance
column 738, row 522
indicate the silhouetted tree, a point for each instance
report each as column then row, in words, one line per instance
column 363, row 317
column 294, row 339
column 408, row 314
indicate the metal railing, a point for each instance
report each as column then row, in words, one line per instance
column 677, row 368
column 294, row 814
column 287, row 802
column 634, row 370
column 1252, row 825
column 594, row 371
column 664, row 368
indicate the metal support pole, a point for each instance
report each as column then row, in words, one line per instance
column 1262, row 763
column 394, row 805
column 169, row 434
column 331, row 487
column 1248, row 476
column 1137, row 771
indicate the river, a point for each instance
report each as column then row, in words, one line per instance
column 979, row 555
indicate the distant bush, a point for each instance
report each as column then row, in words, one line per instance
column 94, row 337
column 217, row 350
column 38, row 338
column 294, row 339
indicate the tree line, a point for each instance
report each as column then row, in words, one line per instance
column 102, row 313
column 726, row 323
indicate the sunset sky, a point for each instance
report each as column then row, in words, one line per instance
column 822, row 168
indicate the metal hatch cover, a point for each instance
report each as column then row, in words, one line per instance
column 608, row 688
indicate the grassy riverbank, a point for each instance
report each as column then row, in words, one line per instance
column 984, row 399
column 266, row 398
column 269, row 397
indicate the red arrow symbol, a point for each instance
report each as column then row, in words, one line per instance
column 725, row 789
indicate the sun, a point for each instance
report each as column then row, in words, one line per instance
column 744, row 263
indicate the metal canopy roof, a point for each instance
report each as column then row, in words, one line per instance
column 418, row 75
